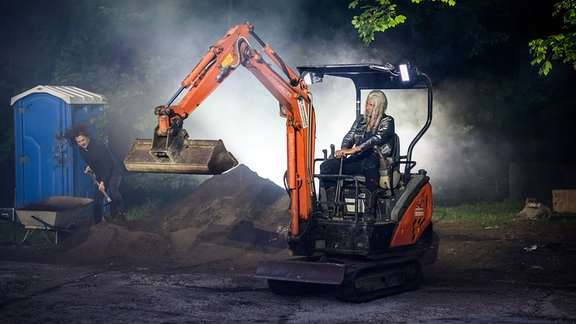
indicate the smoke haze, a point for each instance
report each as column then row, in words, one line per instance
column 136, row 53
column 244, row 114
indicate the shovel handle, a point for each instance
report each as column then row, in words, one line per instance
column 103, row 191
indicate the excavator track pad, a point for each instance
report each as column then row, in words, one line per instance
column 195, row 157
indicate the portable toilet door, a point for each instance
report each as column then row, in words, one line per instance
column 46, row 164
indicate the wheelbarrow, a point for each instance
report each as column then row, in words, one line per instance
column 55, row 214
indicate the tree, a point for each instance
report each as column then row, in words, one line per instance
column 380, row 15
column 560, row 46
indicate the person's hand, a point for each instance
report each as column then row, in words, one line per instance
column 339, row 153
column 101, row 186
column 87, row 170
column 347, row 151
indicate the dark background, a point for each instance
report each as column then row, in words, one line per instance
column 492, row 106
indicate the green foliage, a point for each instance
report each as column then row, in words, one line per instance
column 145, row 209
column 378, row 16
column 481, row 214
column 501, row 216
column 559, row 46
column 147, row 193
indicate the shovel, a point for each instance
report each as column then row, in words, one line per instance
column 103, row 190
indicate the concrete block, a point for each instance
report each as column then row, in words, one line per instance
column 564, row 201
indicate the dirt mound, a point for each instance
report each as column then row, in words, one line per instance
column 239, row 194
column 230, row 221
column 115, row 245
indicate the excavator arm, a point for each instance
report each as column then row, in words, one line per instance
column 170, row 150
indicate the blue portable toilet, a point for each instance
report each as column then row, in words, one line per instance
column 46, row 164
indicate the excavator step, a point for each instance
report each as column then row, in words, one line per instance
column 195, row 157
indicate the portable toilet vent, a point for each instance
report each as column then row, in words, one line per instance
column 46, row 164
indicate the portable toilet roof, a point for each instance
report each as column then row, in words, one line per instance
column 70, row 95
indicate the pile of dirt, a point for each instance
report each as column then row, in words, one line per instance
column 230, row 221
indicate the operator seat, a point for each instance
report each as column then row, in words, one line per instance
column 390, row 166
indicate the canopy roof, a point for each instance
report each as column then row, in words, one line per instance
column 70, row 95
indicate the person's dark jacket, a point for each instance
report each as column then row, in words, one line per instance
column 100, row 159
column 381, row 139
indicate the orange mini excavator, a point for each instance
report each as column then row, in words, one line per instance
column 332, row 242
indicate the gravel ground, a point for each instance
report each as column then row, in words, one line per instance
column 195, row 261
column 470, row 283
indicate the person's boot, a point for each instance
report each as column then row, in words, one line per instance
column 370, row 204
column 330, row 196
column 121, row 218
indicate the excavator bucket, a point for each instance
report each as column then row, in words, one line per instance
column 194, row 157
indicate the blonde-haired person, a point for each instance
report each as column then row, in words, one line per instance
column 371, row 132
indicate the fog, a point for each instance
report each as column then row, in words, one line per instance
column 137, row 52
column 245, row 115
column 241, row 111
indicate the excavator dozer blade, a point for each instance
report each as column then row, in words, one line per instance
column 195, row 157
column 327, row 273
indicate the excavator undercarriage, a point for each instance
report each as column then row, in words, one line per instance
column 351, row 279
column 359, row 281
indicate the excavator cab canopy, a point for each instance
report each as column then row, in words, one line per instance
column 376, row 76
column 368, row 76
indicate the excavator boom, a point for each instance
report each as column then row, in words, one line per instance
column 170, row 150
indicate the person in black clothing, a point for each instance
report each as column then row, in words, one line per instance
column 105, row 167
column 370, row 137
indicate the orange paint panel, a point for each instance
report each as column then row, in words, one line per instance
column 415, row 219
